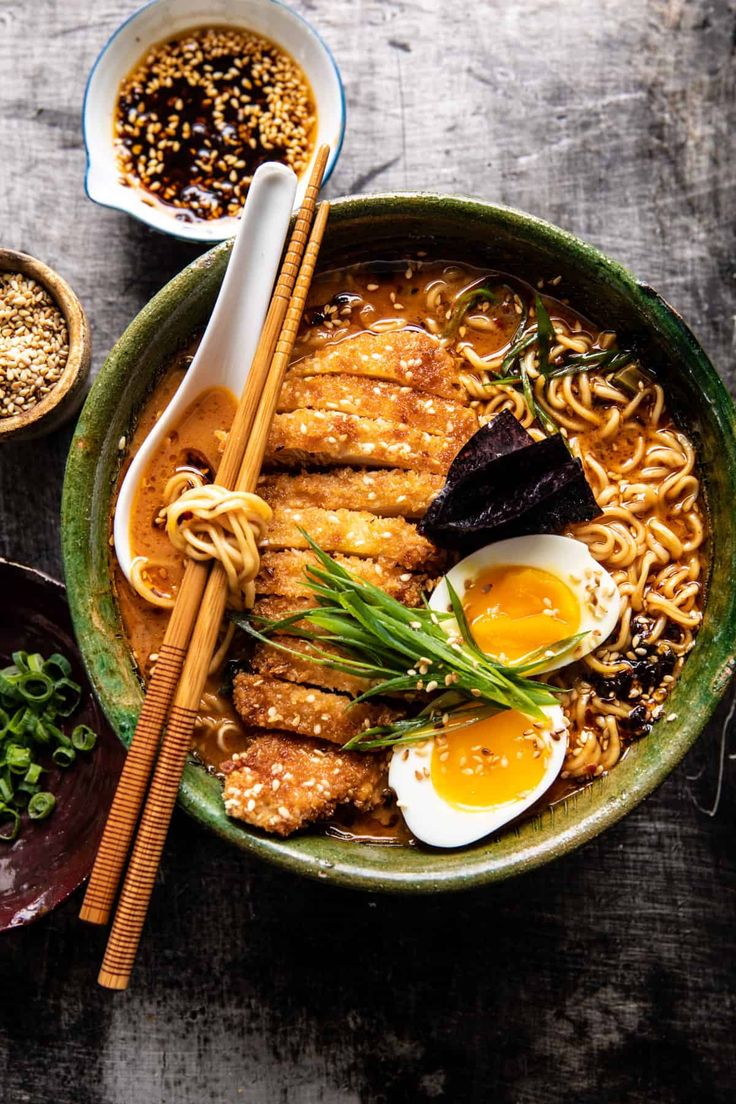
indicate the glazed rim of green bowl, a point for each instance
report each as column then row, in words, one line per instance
column 456, row 228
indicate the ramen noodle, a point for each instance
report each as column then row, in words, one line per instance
column 640, row 464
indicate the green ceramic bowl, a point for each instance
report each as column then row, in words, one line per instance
column 372, row 228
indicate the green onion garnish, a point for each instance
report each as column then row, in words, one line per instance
column 545, row 335
column 463, row 303
column 84, row 738
column 67, row 695
column 402, row 650
column 9, row 831
column 513, row 372
column 57, row 667
column 36, row 695
column 35, row 688
column 40, row 805
column 17, row 758
column 609, row 359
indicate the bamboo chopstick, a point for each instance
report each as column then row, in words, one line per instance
column 124, row 811
column 136, row 892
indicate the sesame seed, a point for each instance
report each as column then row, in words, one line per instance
column 34, row 343
column 229, row 117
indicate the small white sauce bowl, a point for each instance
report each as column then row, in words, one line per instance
column 160, row 20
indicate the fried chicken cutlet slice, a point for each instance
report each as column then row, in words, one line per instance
column 274, row 663
column 283, row 783
column 384, row 491
column 377, row 399
column 352, row 533
column 283, row 574
column 327, row 437
column 410, row 358
column 269, row 703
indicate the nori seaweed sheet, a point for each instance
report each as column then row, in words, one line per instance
column 504, row 484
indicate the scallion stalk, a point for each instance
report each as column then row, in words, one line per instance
column 418, row 652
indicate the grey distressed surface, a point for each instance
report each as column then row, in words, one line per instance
column 608, row 976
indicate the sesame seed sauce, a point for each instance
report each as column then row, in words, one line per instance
column 201, row 113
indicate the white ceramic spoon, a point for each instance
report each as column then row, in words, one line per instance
column 225, row 353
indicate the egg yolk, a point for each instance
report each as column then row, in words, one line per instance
column 514, row 610
column 496, row 760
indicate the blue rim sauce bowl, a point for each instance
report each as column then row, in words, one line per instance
column 164, row 19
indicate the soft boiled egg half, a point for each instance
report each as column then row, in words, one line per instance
column 530, row 593
column 519, row 596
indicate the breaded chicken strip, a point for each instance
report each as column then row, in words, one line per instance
column 283, row 574
column 328, row 437
column 387, row 492
column 352, row 533
column 282, row 783
column 377, row 399
column 411, row 358
column 274, row 607
column 275, row 663
column 269, row 703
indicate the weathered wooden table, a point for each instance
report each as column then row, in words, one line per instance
column 607, row 976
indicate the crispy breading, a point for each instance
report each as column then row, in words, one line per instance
column 411, row 358
column 352, row 533
column 271, row 661
column 386, row 492
column 282, row 574
column 275, row 607
column 390, row 402
column 326, row 437
column 378, row 399
column 269, row 703
column 282, row 783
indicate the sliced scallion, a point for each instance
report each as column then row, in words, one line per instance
column 632, row 379
column 17, row 758
column 57, row 667
column 35, row 687
column 545, row 336
column 84, row 738
column 9, row 823
column 67, row 695
column 63, row 756
column 36, row 695
column 41, row 804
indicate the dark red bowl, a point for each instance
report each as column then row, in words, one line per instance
column 52, row 857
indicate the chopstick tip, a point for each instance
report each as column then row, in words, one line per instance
column 112, row 981
column 92, row 915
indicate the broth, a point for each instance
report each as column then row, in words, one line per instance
column 639, row 464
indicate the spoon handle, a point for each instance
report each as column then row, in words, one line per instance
column 227, row 348
column 122, row 818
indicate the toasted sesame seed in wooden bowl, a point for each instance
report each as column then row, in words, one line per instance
column 45, row 348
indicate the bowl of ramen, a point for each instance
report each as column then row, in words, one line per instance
column 495, row 476
column 186, row 100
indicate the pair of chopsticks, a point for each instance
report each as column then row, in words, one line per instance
column 169, row 711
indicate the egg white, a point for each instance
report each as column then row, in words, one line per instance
column 570, row 561
column 437, row 822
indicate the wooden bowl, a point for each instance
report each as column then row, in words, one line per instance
column 66, row 396
column 360, row 229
